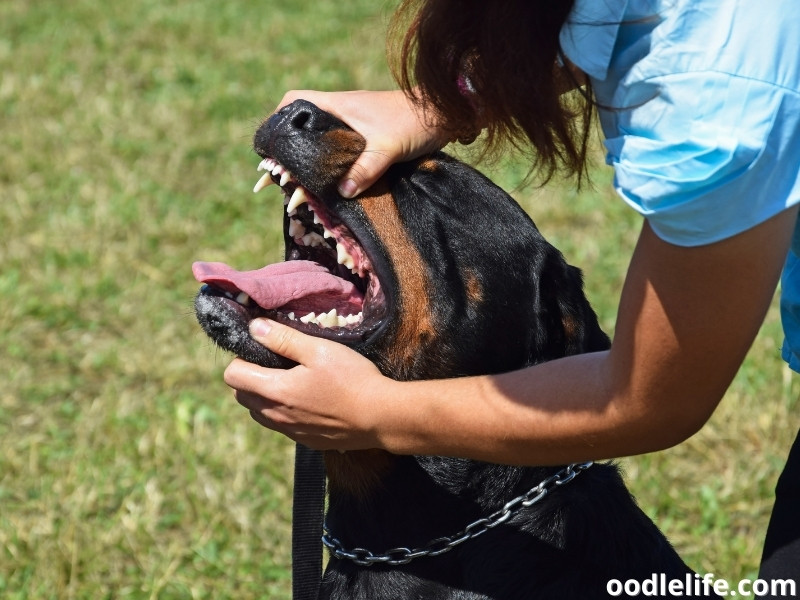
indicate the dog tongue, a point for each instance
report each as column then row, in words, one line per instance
column 296, row 285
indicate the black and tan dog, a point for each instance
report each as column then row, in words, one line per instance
column 433, row 273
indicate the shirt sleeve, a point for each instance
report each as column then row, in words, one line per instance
column 701, row 116
column 709, row 155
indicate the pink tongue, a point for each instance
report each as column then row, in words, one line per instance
column 301, row 286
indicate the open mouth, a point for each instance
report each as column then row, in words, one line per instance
column 326, row 287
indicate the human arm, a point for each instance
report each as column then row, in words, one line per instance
column 687, row 317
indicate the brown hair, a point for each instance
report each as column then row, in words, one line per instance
column 506, row 52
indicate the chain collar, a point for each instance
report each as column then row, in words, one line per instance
column 402, row 555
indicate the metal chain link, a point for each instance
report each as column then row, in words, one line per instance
column 440, row 545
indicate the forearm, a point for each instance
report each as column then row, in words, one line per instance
column 564, row 411
column 683, row 329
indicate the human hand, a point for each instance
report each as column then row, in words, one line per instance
column 324, row 402
column 395, row 130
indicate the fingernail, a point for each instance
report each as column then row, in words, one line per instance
column 348, row 188
column 260, row 327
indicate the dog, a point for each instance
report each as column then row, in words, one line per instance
column 434, row 272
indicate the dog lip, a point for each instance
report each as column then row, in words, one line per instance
column 225, row 303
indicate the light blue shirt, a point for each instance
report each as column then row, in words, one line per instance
column 700, row 107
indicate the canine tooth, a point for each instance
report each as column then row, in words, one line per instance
column 296, row 228
column 285, row 177
column 316, row 219
column 309, row 318
column 326, row 233
column 264, row 181
column 298, row 197
column 243, row 299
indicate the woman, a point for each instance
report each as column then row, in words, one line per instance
column 699, row 101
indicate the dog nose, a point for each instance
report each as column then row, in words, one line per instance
column 297, row 124
column 302, row 115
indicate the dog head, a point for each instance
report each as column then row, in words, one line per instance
column 433, row 272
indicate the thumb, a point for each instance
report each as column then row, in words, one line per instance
column 369, row 166
column 282, row 339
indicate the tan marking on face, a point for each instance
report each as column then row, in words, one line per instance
column 416, row 328
column 339, row 150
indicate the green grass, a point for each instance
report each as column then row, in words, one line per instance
column 126, row 468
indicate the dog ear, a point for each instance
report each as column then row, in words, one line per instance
column 573, row 322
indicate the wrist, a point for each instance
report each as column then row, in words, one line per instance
column 428, row 417
column 391, row 415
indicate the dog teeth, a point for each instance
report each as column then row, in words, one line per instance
column 343, row 257
column 243, row 299
column 266, row 179
column 266, row 165
column 313, row 239
column 298, row 197
column 296, row 229
column 298, row 232
column 329, row 319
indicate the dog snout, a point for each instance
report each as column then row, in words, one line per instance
column 303, row 116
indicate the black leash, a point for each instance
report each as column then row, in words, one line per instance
column 307, row 516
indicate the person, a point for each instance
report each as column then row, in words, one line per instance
column 699, row 103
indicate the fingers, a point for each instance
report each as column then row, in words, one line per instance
column 284, row 340
column 249, row 383
column 261, row 420
column 251, row 379
column 367, row 169
column 293, row 401
column 293, row 95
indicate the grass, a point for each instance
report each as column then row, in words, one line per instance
column 126, row 469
